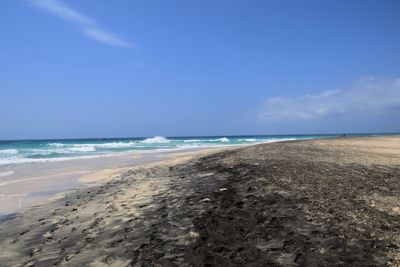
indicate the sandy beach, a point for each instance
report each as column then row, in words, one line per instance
column 29, row 184
column 296, row 203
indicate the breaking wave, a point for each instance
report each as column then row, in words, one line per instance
column 247, row 140
column 156, row 140
column 8, row 151
column 83, row 149
column 223, row 139
column 18, row 160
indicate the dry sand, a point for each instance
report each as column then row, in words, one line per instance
column 300, row 203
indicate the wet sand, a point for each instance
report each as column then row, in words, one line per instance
column 298, row 203
column 28, row 184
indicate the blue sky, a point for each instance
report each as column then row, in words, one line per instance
column 144, row 68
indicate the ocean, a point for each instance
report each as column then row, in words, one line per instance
column 27, row 151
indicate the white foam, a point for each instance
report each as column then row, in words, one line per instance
column 6, row 173
column 273, row 140
column 248, row 140
column 8, row 151
column 156, row 140
column 109, row 145
column 116, row 145
column 18, row 160
column 94, row 145
column 47, row 152
column 82, row 149
column 223, row 139
column 57, row 144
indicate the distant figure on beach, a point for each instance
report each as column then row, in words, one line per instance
column 343, row 135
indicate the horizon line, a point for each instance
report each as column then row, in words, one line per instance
column 201, row 136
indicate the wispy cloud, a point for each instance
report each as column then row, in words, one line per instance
column 370, row 95
column 88, row 25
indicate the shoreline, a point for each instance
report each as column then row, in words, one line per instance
column 69, row 177
column 313, row 202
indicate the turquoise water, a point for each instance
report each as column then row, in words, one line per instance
column 25, row 151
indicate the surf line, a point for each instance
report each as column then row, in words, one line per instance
column 42, row 177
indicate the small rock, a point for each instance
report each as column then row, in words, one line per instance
column 47, row 235
column 109, row 259
column 396, row 209
column 193, row 234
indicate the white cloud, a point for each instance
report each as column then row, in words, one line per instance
column 106, row 37
column 88, row 25
column 365, row 96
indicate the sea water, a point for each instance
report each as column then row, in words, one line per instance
column 26, row 151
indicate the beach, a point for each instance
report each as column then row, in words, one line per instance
column 34, row 171
column 30, row 184
column 294, row 203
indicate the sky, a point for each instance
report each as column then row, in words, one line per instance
column 71, row 69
